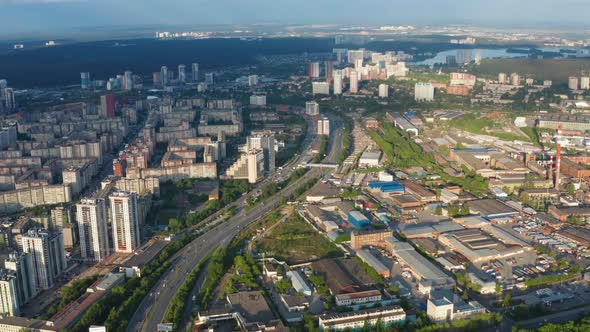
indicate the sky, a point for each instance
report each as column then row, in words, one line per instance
column 30, row 16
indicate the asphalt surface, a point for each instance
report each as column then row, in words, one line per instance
column 153, row 308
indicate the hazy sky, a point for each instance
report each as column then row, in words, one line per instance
column 17, row 16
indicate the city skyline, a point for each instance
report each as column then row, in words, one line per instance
column 72, row 16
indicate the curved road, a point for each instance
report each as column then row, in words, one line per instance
column 153, row 308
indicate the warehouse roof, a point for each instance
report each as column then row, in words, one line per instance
column 490, row 208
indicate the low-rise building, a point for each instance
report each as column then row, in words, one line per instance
column 356, row 319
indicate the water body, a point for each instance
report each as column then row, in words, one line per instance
column 470, row 54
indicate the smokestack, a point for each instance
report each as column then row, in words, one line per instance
column 557, row 166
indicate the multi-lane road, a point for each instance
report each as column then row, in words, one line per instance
column 153, row 308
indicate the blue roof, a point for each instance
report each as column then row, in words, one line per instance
column 381, row 184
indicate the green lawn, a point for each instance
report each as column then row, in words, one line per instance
column 295, row 241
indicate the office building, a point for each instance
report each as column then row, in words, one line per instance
column 424, row 91
column 209, row 79
column 164, row 76
column 337, row 82
column 182, row 73
column 383, row 90
column 47, row 256
column 85, row 80
column 107, row 106
column 125, row 221
column 320, row 88
column 314, row 70
column 324, row 126
column 195, row 68
column 22, row 265
column 329, row 70
column 9, row 99
column 253, row 80
column 312, row 108
column 266, row 142
column 354, row 82
column 572, row 83
column 584, row 83
column 91, row 215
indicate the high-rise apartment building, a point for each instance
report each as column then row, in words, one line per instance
column 314, row 70
column 91, row 216
column 164, row 76
column 337, row 82
column 253, row 80
column 182, row 73
column 329, row 70
column 210, row 78
column 324, row 126
column 320, row 88
column 107, row 105
column 9, row 301
column 195, row 71
column 572, row 83
column 125, row 221
column 47, row 255
column 9, row 99
column 584, row 83
column 312, row 108
column 22, row 266
column 266, row 142
column 424, row 91
column 383, row 90
column 354, row 82
column 85, row 80
column 515, row 79
column 128, row 80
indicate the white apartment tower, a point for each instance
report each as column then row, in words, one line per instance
column 9, row 302
column 312, row 108
column 324, row 126
column 383, row 90
column 572, row 83
column 354, row 82
column 424, row 91
column 91, row 215
column 337, row 82
column 125, row 221
column 22, row 265
column 253, row 80
column 266, row 142
column 47, row 256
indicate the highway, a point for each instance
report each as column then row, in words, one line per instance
column 153, row 308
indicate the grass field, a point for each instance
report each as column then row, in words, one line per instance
column 485, row 126
column 295, row 241
column 557, row 70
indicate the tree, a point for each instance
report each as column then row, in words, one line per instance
column 506, row 300
column 438, row 211
column 465, row 296
column 498, row 289
column 570, row 189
